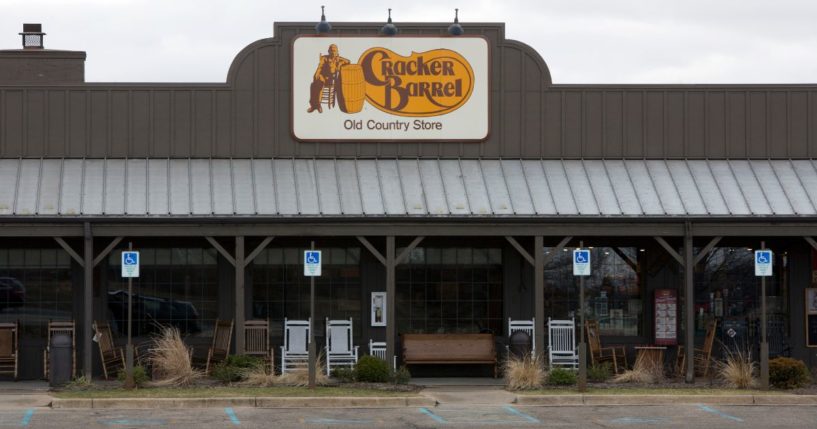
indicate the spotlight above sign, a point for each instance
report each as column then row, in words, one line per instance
column 390, row 89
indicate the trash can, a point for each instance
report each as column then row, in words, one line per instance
column 520, row 344
column 60, row 360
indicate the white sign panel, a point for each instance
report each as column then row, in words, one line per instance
column 312, row 263
column 763, row 263
column 581, row 262
column 390, row 88
column 130, row 264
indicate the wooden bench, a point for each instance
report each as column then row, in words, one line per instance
column 419, row 349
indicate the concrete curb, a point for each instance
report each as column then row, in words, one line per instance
column 603, row 400
column 260, row 402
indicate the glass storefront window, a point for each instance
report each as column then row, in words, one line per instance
column 281, row 290
column 35, row 287
column 443, row 290
column 727, row 290
column 613, row 291
column 176, row 287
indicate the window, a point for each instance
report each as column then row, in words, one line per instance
column 176, row 287
column 281, row 290
column 613, row 291
column 727, row 290
column 35, row 287
column 444, row 290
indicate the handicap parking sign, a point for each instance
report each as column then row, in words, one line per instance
column 130, row 264
column 581, row 262
column 312, row 263
column 763, row 263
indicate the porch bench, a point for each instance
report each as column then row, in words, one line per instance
column 420, row 349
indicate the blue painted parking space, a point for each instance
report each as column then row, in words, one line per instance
column 16, row 418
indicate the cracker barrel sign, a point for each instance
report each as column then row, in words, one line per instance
column 390, row 88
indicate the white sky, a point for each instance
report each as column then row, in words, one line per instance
column 583, row 41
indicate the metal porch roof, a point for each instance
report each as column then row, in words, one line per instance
column 406, row 187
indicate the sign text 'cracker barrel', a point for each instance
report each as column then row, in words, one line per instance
column 403, row 88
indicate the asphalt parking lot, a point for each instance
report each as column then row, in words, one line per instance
column 499, row 416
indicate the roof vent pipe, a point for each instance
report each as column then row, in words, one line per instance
column 32, row 36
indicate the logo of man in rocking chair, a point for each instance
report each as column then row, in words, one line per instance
column 325, row 76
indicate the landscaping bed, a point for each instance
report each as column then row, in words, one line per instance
column 220, row 391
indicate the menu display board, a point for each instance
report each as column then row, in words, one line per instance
column 666, row 317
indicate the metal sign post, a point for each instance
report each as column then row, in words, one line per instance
column 130, row 269
column 312, row 269
column 763, row 269
column 581, row 268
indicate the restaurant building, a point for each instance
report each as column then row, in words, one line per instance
column 447, row 171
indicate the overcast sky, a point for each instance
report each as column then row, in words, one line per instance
column 582, row 41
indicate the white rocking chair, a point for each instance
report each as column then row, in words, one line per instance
column 562, row 343
column 340, row 350
column 378, row 350
column 294, row 352
column 526, row 326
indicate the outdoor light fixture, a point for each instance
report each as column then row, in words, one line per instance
column 324, row 26
column 32, row 36
column 456, row 29
column 389, row 29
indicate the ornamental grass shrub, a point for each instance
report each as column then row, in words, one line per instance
column 171, row 361
column 737, row 369
column 525, row 373
column 636, row 375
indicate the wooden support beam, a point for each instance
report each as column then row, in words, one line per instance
column 257, row 251
column 555, row 251
column 368, row 245
column 391, row 307
column 101, row 257
column 221, row 250
column 539, row 294
column 240, row 266
column 705, row 251
column 521, row 249
column 626, row 258
column 811, row 241
column 670, row 250
column 88, row 302
column 689, row 308
column 74, row 255
column 405, row 253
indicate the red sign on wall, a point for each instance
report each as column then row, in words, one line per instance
column 666, row 317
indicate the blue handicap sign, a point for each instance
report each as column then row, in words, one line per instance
column 130, row 258
column 312, row 263
column 763, row 263
column 582, row 256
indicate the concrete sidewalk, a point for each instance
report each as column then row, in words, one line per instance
column 24, row 394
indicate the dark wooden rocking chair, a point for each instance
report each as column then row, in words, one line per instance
column 112, row 357
column 9, row 348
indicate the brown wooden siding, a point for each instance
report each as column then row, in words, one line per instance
column 249, row 116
